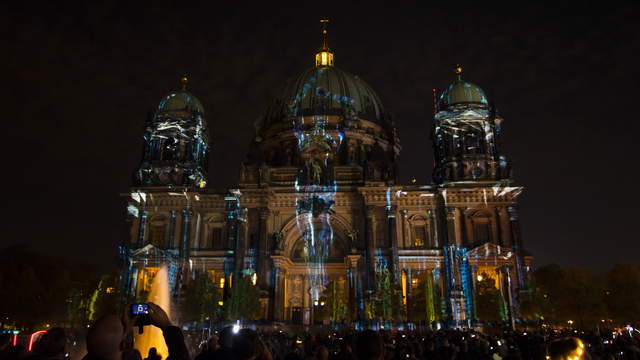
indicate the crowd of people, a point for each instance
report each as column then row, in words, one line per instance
column 108, row 339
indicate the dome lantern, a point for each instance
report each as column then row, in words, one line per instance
column 324, row 57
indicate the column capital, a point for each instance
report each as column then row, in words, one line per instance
column 264, row 213
column 281, row 263
column 370, row 210
column 352, row 261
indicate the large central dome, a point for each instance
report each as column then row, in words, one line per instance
column 327, row 90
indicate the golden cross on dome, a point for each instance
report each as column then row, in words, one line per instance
column 325, row 42
column 458, row 71
column 324, row 57
column 184, row 80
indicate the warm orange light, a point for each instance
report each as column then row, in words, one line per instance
column 220, row 302
column 324, row 58
column 222, row 283
column 33, row 339
column 404, row 288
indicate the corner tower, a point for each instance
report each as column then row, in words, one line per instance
column 466, row 136
column 176, row 143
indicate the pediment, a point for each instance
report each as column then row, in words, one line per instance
column 490, row 250
column 151, row 251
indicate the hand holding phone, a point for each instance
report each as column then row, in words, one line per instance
column 140, row 312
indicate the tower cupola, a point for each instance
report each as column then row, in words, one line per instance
column 462, row 94
column 467, row 136
column 175, row 142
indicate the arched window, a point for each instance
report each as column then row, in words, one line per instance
column 158, row 231
column 217, row 239
column 481, row 226
column 419, row 236
column 214, row 238
column 331, row 252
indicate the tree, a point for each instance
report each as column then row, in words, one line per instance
column 573, row 294
column 386, row 304
column 202, row 297
column 548, row 281
column 533, row 303
column 623, row 293
column 490, row 306
column 244, row 301
column 424, row 305
column 37, row 289
column 583, row 299
column 336, row 308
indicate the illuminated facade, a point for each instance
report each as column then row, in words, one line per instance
column 317, row 206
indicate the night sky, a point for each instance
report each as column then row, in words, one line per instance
column 81, row 79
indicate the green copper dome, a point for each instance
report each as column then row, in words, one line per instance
column 462, row 93
column 180, row 101
column 327, row 91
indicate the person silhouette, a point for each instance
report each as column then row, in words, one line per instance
column 153, row 354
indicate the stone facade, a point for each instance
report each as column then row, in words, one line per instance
column 323, row 167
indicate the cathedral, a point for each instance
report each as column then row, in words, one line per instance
column 317, row 207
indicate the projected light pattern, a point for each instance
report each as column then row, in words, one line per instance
column 318, row 231
column 175, row 143
column 315, row 196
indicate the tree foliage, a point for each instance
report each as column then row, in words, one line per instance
column 244, row 301
column 201, row 299
column 622, row 293
column 423, row 302
column 38, row 289
column 490, row 306
column 386, row 303
column 336, row 306
column 558, row 295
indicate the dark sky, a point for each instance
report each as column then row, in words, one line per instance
column 80, row 80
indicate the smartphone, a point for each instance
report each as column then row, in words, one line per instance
column 139, row 309
column 142, row 313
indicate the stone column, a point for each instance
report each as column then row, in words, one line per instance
column 505, row 229
column 391, row 231
column 263, row 248
column 451, row 226
column 352, row 279
column 433, row 235
column 142, row 228
column 516, row 244
column 508, row 293
column 457, row 220
column 370, row 245
column 241, row 243
column 406, row 231
column 306, row 301
column 170, row 240
column 473, row 269
column 185, row 235
column 409, row 291
column 279, row 290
